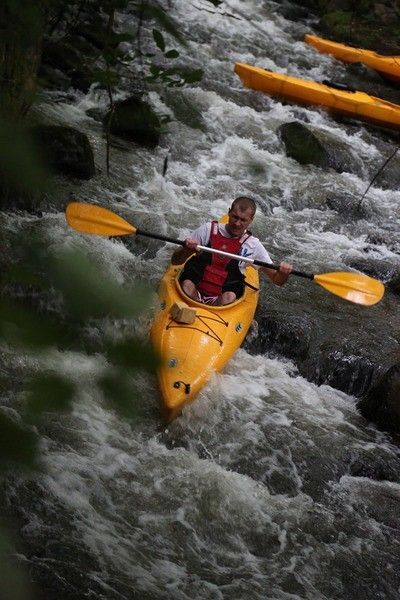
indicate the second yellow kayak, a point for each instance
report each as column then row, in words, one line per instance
column 387, row 66
column 357, row 105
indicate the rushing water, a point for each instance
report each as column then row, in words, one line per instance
column 267, row 487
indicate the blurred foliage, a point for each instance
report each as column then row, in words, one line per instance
column 51, row 302
column 77, row 295
column 67, row 298
column 21, row 172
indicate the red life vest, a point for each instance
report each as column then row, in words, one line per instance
column 216, row 272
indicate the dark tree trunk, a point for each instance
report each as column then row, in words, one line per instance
column 22, row 26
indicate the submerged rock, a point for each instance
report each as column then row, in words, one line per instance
column 133, row 119
column 382, row 403
column 306, row 147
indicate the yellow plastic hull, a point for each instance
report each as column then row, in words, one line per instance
column 191, row 353
column 388, row 66
column 357, row 105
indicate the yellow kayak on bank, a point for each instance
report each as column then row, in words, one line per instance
column 357, row 105
column 387, row 66
column 195, row 340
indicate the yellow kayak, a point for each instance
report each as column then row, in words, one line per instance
column 192, row 351
column 357, row 105
column 387, row 66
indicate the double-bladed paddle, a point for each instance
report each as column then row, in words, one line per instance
column 354, row 287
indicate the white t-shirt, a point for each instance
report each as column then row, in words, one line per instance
column 251, row 248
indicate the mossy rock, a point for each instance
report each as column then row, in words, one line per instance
column 135, row 120
column 307, row 148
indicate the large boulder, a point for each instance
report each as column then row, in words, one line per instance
column 134, row 120
column 382, row 403
column 308, row 148
column 63, row 64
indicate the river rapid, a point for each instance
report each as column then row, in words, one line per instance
column 268, row 486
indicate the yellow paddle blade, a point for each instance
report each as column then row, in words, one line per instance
column 90, row 218
column 354, row 287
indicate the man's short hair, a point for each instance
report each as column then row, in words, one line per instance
column 244, row 203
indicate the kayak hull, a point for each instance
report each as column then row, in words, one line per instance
column 387, row 66
column 357, row 105
column 191, row 353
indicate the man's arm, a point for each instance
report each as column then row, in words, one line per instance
column 278, row 277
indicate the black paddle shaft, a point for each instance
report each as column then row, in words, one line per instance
column 258, row 263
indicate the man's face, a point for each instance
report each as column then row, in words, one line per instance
column 239, row 220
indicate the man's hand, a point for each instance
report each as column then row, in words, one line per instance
column 191, row 244
column 282, row 275
column 183, row 253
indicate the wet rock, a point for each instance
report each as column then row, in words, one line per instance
column 97, row 114
column 92, row 27
column 66, row 57
column 318, row 359
column 383, row 239
column 285, row 334
column 394, row 285
column 184, row 110
column 349, row 373
column 133, row 119
column 382, row 403
column 65, row 150
column 294, row 12
column 321, row 150
column 373, row 469
column 53, row 79
column 348, row 205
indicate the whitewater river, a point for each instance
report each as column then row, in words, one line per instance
column 267, row 487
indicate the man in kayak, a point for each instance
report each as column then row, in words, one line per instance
column 216, row 279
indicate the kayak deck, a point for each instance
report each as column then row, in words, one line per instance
column 387, row 66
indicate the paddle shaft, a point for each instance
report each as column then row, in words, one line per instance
column 94, row 219
column 258, row 263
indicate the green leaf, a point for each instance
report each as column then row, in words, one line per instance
column 90, row 293
column 106, row 77
column 159, row 39
column 118, row 38
column 194, row 76
column 49, row 393
column 17, row 444
column 171, row 54
column 133, row 354
column 155, row 70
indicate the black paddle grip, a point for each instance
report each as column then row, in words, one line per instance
column 260, row 263
column 163, row 238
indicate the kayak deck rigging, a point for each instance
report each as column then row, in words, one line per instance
column 205, row 321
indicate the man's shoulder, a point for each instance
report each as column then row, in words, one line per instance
column 252, row 239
